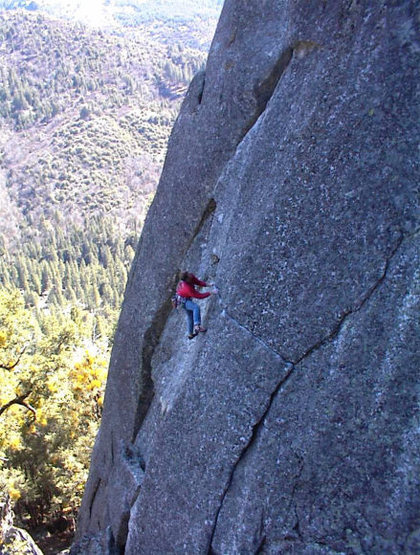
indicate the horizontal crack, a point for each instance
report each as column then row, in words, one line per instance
column 341, row 321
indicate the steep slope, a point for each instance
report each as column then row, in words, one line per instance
column 85, row 115
column 291, row 427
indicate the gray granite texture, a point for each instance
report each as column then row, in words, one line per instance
column 291, row 180
column 13, row 539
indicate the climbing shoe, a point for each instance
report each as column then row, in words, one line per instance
column 199, row 329
column 192, row 335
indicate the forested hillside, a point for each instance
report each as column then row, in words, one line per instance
column 85, row 115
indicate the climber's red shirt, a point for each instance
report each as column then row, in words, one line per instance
column 187, row 290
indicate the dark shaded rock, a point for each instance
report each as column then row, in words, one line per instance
column 290, row 179
column 96, row 544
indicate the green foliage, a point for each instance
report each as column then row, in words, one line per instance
column 84, row 122
column 52, row 378
column 82, row 266
column 55, row 337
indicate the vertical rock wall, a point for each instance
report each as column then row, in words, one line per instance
column 290, row 180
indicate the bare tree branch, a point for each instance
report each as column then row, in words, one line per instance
column 11, row 366
column 20, row 400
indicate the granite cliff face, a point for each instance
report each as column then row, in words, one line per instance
column 290, row 180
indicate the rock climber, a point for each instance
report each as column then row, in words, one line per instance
column 186, row 291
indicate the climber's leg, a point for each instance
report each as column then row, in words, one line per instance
column 190, row 320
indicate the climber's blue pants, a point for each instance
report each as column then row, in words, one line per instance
column 193, row 315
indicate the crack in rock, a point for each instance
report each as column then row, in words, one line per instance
column 150, row 342
column 290, row 370
column 264, row 90
column 255, row 429
column 292, row 503
column 154, row 332
column 208, row 211
column 262, row 537
column 358, row 306
column 339, row 325
column 95, row 492
column 249, row 332
column 152, row 335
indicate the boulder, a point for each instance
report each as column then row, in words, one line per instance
column 12, row 538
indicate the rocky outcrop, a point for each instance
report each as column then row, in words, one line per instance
column 13, row 539
column 292, row 426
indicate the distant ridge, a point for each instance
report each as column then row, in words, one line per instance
column 112, row 13
column 85, row 114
